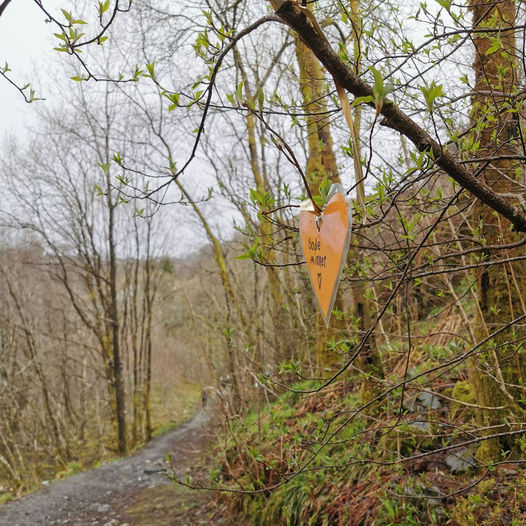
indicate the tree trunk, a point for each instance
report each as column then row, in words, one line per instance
column 498, row 373
column 231, row 298
column 321, row 165
column 148, row 300
column 116, row 362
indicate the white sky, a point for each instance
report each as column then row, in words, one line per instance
column 26, row 44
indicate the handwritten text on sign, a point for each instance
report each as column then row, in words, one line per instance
column 325, row 242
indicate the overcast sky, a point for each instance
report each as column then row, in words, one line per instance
column 26, row 44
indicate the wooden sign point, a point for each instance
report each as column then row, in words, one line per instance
column 325, row 243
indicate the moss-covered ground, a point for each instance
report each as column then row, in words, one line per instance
column 316, row 459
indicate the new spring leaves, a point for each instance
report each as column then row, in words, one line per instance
column 325, row 242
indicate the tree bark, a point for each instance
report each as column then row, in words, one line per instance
column 500, row 370
column 321, row 165
column 116, row 364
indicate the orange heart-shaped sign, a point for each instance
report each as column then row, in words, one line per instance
column 325, row 242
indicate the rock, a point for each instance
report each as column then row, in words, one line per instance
column 420, row 424
column 509, row 470
column 460, row 461
column 429, row 400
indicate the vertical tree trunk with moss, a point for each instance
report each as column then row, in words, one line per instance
column 321, row 161
column 369, row 359
column 321, row 165
column 113, row 314
column 231, row 298
column 498, row 373
column 148, row 298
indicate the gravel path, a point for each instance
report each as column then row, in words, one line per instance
column 103, row 495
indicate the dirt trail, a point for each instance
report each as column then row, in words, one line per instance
column 129, row 491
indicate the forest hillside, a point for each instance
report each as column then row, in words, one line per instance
column 162, row 238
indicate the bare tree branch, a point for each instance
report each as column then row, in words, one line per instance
column 3, row 5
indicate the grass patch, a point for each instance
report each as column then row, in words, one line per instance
column 70, row 469
column 173, row 405
column 6, row 497
column 164, row 428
